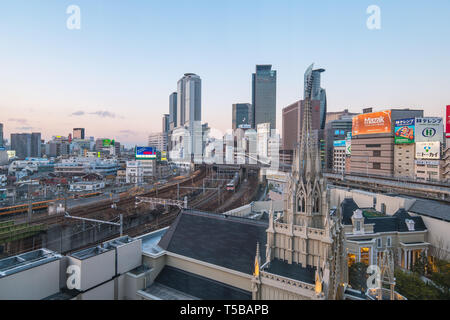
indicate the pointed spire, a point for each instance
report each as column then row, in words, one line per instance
column 257, row 261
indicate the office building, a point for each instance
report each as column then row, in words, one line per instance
column 313, row 91
column 404, row 160
column 373, row 141
column 335, row 130
column 78, row 133
column 1, row 135
column 158, row 141
column 26, row 144
column 173, row 111
column 293, row 119
column 242, row 116
column 189, row 107
column 165, row 123
column 264, row 93
column 337, row 115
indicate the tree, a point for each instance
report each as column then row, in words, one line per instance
column 421, row 265
column 357, row 275
column 413, row 288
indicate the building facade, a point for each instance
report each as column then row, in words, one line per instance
column 26, row 144
column 313, row 91
column 264, row 95
column 189, row 102
column 173, row 111
column 78, row 133
column 404, row 160
column 242, row 116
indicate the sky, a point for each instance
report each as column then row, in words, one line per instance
column 114, row 75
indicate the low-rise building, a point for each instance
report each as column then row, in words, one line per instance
column 140, row 171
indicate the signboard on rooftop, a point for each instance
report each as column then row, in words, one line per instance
column 372, row 123
column 404, row 131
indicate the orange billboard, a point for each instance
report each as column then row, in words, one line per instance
column 370, row 123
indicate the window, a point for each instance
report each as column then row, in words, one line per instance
column 373, row 145
column 365, row 255
column 379, row 242
column 388, row 241
column 358, row 225
column 383, row 208
column 376, row 165
column 377, row 153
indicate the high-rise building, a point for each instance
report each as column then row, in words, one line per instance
column 313, row 91
column 264, row 93
column 26, row 144
column 335, row 130
column 1, row 134
column 36, row 150
column 165, row 123
column 158, row 141
column 242, row 116
column 173, row 111
column 78, row 133
column 189, row 105
column 293, row 119
column 372, row 141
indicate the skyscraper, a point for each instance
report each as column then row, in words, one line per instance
column 242, row 116
column 264, row 91
column 165, row 123
column 189, row 99
column 313, row 91
column 1, row 134
column 36, row 148
column 21, row 143
column 173, row 111
column 78, row 133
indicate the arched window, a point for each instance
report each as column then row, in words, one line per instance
column 301, row 203
column 316, row 202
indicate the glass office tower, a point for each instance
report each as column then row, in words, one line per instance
column 313, row 91
column 264, row 91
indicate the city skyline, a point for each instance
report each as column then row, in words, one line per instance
column 104, row 78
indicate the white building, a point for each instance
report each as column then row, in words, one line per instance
column 140, row 171
column 158, row 141
column 87, row 186
column 83, row 165
column 262, row 138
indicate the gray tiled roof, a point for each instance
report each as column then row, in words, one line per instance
column 293, row 271
column 224, row 241
column 431, row 208
column 198, row 286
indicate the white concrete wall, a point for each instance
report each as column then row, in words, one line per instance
column 129, row 256
column 32, row 284
column 102, row 292
column 96, row 269
column 438, row 234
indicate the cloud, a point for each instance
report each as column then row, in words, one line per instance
column 105, row 114
column 27, row 128
column 130, row 132
column 101, row 114
column 18, row 120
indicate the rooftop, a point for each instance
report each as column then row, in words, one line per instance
column 102, row 248
column 26, row 261
column 293, row 271
column 229, row 242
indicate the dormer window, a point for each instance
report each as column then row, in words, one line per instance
column 358, row 221
column 358, row 225
column 410, row 224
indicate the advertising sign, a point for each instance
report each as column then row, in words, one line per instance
column 404, row 131
column 370, row 123
column 339, row 143
column 107, row 142
column 428, row 162
column 429, row 129
column 447, row 123
column 163, row 155
column 428, row 150
column 145, row 153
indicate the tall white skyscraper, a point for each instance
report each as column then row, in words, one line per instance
column 189, row 100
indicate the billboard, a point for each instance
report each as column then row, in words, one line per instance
column 107, row 142
column 11, row 153
column 163, row 155
column 429, row 129
column 339, row 143
column 404, row 131
column 145, row 153
column 447, row 122
column 428, row 150
column 371, row 123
